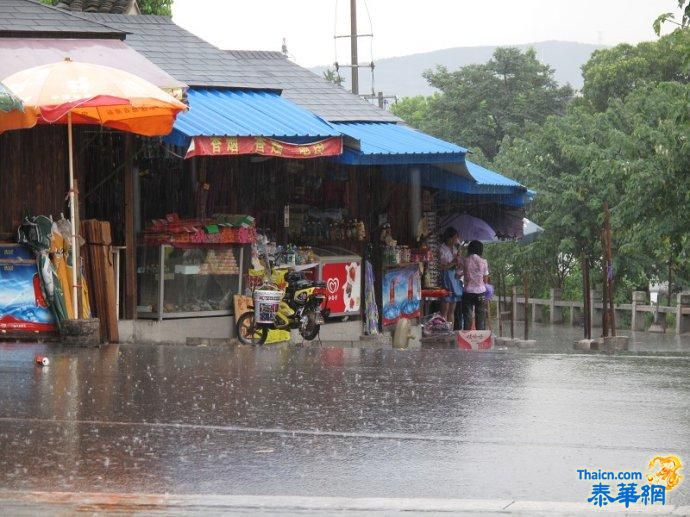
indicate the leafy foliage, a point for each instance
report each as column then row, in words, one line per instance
column 161, row 7
column 684, row 6
column 479, row 105
column 333, row 76
column 625, row 142
column 615, row 72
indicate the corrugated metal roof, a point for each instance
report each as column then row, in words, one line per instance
column 387, row 143
column 490, row 187
column 214, row 112
column 485, row 176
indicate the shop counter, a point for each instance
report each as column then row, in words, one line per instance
column 189, row 281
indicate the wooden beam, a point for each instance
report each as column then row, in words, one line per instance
column 130, row 291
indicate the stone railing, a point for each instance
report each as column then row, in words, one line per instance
column 551, row 310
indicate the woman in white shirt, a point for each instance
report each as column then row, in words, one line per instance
column 476, row 271
column 450, row 261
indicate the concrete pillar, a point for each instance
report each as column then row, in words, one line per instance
column 415, row 199
column 556, row 313
column 576, row 314
column 597, row 312
column 619, row 317
column 682, row 320
column 637, row 319
column 513, row 300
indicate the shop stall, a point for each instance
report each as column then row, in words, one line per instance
column 192, row 268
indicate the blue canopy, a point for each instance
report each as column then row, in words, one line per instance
column 484, row 185
column 385, row 143
column 216, row 112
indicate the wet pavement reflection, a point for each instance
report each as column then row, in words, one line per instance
column 327, row 421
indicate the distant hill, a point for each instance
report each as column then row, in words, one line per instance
column 402, row 76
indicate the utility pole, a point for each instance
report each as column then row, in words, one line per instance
column 353, row 47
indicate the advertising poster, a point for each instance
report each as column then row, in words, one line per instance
column 22, row 306
column 402, row 292
column 344, row 285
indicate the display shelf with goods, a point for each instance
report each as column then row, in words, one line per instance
column 432, row 275
column 197, row 281
column 192, row 268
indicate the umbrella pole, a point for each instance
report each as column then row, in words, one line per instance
column 72, row 209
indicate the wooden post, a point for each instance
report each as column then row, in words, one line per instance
column 604, row 290
column 526, row 288
column 608, row 313
column 500, row 305
column 609, row 259
column 130, row 297
column 513, row 310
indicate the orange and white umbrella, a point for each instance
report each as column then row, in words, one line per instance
column 70, row 92
column 12, row 112
column 95, row 94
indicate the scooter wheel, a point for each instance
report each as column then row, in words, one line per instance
column 311, row 329
column 248, row 332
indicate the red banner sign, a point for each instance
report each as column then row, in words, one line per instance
column 236, row 145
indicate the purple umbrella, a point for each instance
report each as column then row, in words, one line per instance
column 470, row 228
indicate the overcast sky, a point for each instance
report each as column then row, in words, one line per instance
column 402, row 27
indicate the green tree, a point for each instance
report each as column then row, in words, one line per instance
column 332, row 76
column 613, row 73
column 416, row 112
column 160, row 7
column 479, row 105
column 684, row 6
column 635, row 156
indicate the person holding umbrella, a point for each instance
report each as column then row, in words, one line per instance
column 451, row 267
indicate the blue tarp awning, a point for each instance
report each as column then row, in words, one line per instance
column 383, row 143
column 217, row 112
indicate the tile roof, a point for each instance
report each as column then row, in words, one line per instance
column 182, row 54
column 98, row 6
column 198, row 63
column 30, row 18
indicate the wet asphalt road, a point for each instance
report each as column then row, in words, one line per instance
column 340, row 422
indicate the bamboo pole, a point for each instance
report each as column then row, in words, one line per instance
column 73, row 223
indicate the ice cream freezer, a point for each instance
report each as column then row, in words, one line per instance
column 341, row 270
